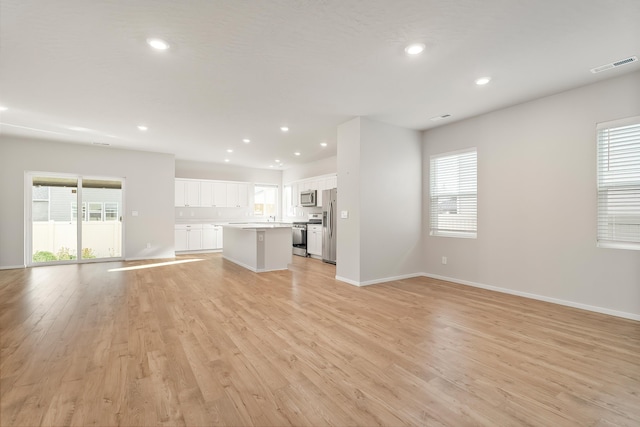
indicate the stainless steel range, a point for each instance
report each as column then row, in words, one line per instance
column 299, row 230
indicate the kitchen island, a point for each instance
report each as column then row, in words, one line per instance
column 258, row 247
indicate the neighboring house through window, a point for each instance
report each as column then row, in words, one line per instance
column 40, row 203
column 110, row 211
column 74, row 211
column 95, row 211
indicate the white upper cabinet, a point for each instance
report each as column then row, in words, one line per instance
column 219, row 194
column 243, row 195
column 206, row 194
column 237, row 195
column 295, row 195
column 331, row 182
column 319, row 183
column 194, row 193
column 187, row 193
column 232, row 195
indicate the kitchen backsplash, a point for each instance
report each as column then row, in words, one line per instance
column 212, row 214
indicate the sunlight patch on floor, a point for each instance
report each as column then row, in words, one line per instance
column 159, row 264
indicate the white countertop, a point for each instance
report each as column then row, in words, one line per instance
column 256, row 225
column 180, row 221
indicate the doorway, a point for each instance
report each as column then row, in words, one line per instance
column 73, row 218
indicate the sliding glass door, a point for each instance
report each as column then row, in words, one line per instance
column 73, row 218
column 102, row 225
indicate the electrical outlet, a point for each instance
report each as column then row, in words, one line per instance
column 444, row 260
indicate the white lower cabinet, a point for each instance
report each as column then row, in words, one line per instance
column 314, row 239
column 188, row 237
column 211, row 236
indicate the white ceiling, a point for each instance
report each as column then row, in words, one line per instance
column 241, row 69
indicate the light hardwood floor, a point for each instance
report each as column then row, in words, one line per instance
column 210, row 343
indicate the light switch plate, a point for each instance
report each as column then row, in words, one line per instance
column 344, row 214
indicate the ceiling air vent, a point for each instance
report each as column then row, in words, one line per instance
column 444, row 116
column 614, row 64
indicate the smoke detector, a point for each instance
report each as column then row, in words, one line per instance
column 438, row 118
column 614, row 64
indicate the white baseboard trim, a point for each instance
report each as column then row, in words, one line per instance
column 349, row 281
column 587, row 307
column 203, row 251
column 12, row 267
column 376, row 281
column 248, row 267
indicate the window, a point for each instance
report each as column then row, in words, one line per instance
column 110, row 211
column 619, row 184
column 74, row 211
column 266, row 200
column 95, row 211
column 454, row 194
column 288, row 200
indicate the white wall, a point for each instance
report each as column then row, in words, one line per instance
column 380, row 175
column 223, row 172
column 348, row 230
column 309, row 170
column 537, row 201
column 149, row 187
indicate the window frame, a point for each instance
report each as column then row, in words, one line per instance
column 275, row 187
column 434, row 230
column 604, row 237
column 74, row 210
column 89, row 211
column 105, row 209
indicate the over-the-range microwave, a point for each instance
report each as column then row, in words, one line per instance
column 308, row 198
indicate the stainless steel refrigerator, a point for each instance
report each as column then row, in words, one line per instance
column 329, row 222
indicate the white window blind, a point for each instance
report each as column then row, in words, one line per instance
column 454, row 194
column 619, row 184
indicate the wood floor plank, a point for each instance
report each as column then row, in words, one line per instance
column 211, row 343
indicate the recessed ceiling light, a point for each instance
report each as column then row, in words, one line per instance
column 77, row 128
column 324, row 144
column 3, row 108
column 103, row 144
column 226, row 160
column 284, row 129
column 277, row 161
column 270, row 166
column 297, row 153
column 158, row 44
column 414, row 49
column 229, row 150
column 483, row 81
column 142, row 127
column 246, row 140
